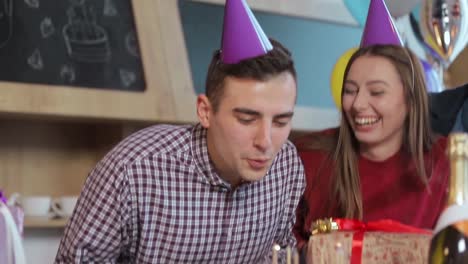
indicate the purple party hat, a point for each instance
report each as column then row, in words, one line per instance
column 243, row 38
column 380, row 28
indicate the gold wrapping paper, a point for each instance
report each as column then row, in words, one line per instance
column 378, row 248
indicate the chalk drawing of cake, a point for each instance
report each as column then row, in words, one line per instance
column 85, row 40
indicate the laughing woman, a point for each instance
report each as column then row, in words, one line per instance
column 383, row 162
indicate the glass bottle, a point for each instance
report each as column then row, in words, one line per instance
column 449, row 243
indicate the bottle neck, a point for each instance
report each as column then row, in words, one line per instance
column 458, row 186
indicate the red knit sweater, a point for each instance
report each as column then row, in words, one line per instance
column 390, row 189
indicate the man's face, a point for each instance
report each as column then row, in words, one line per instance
column 251, row 125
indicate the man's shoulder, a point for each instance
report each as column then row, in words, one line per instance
column 161, row 132
column 156, row 139
column 288, row 149
column 288, row 154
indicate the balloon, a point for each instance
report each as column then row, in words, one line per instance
column 433, row 80
column 414, row 23
column 397, row 8
column 336, row 80
column 400, row 8
column 443, row 26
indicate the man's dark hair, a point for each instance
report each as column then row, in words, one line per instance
column 261, row 68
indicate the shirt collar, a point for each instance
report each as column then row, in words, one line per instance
column 204, row 165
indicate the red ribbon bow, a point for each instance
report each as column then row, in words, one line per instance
column 359, row 228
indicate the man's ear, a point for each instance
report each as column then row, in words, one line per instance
column 204, row 110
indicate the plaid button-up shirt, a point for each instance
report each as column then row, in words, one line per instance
column 156, row 198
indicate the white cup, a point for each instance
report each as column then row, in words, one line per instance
column 64, row 206
column 35, row 205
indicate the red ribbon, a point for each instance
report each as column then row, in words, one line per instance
column 382, row 225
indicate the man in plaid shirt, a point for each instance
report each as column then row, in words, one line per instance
column 221, row 191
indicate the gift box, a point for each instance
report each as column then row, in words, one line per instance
column 349, row 241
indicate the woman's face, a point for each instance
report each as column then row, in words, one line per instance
column 374, row 104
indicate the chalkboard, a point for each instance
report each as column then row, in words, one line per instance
column 72, row 43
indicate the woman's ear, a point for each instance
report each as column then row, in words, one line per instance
column 204, row 110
